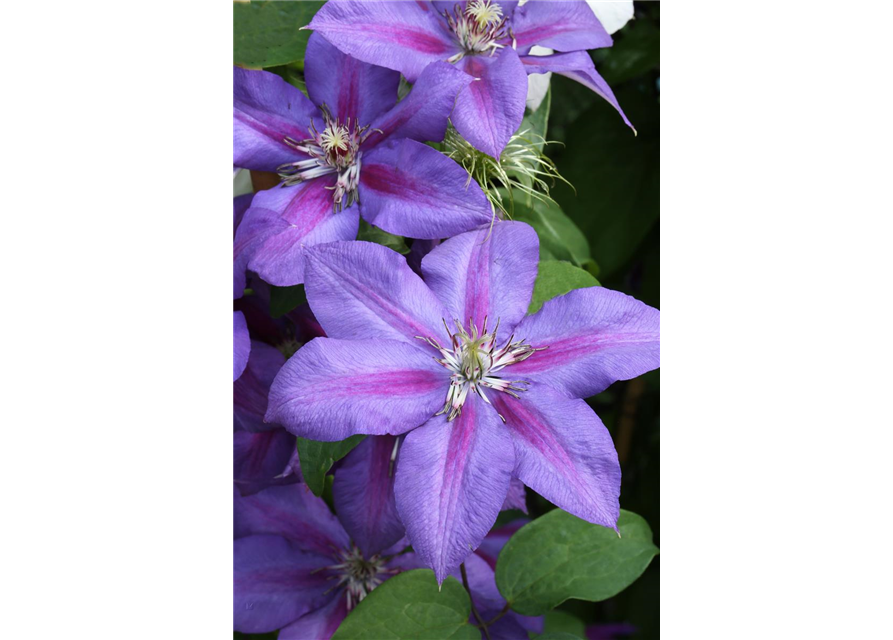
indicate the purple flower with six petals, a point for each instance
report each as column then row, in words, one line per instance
column 350, row 150
column 425, row 358
column 490, row 40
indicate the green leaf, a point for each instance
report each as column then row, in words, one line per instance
column 267, row 34
column 318, row 457
column 564, row 622
column 371, row 233
column 284, row 299
column 555, row 278
column 559, row 556
column 537, row 122
column 410, row 606
column 560, row 238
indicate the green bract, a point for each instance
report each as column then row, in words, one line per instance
column 318, row 457
column 555, row 278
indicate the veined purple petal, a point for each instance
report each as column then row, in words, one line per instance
column 251, row 389
column 576, row 66
column 508, row 6
column 452, row 479
column 240, row 206
column 594, row 336
column 516, row 497
column 360, row 290
column 352, row 89
column 261, row 460
column 292, row 512
column 274, row 583
column 364, row 495
column 486, row 273
column 286, row 220
column 491, row 108
column 564, row 25
column 332, row 389
column 406, row 36
column 241, row 344
column 320, row 624
column 564, row 452
column 409, row 189
column 422, row 115
column 266, row 110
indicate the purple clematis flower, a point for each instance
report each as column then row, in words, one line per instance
column 296, row 568
column 427, row 358
column 488, row 39
column 350, row 150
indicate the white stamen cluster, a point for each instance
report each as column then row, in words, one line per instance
column 473, row 359
column 358, row 575
column 334, row 150
column 477, row 28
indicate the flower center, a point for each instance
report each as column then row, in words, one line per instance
column 473, row 361
column 359, row 575
column 334, row 150
column 477, row 28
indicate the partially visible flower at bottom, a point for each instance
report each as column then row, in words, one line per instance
column 610, row 631
column 241, row 344
column 296, row 569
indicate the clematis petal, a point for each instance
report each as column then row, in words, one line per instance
column 491, row 108
column 360, row 290
column 332, row 389
column 283, row 221
column 292, row 512
column 486, row 273
column 406, row 36
column 320, row 624
column 452, row 479
column 516, row 497
column 251, row 389
column 576, row 66
column 240, row 206
column 274, row 583
column 364, row 495
column 241, row 344
column 594, row 336
column 422, row 115
column 352, row 90
column 569, row 25
column 266, row 110
column 409, row 189
column 564, row 452
column 260, row 460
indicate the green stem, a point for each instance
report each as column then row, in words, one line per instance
column 477, row 616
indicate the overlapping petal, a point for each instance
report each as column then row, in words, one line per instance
column 578, row 66
column 251, row 389
column 491, row 108
column 568, row 25
column 364, row 495
column 291, row 512
column 422, row 115
column 353, row 90
column 486, row 273
column 283, row 221
column 451, row 483
column 241, row 344
column 594, row 337
column 261, row 460
column 266, row 110
column 320, row 624
column 332, row 389
column 274, row 583
column 406, row 36
column 563, row 452
column 516, row 498
column 409, row 189
column 362, row 290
